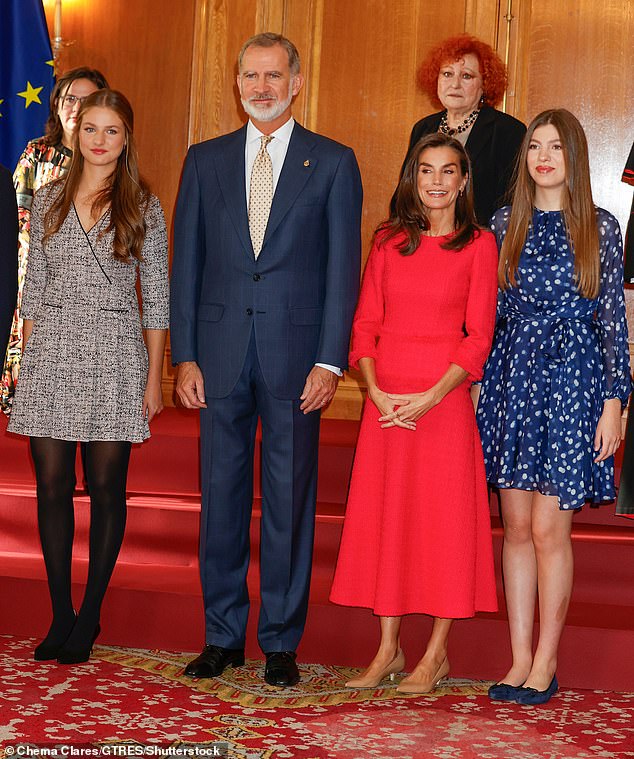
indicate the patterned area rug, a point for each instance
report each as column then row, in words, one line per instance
column 142, row 697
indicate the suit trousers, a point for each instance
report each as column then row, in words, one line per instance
column 290, row 444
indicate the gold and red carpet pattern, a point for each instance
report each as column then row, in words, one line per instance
column 141, row 696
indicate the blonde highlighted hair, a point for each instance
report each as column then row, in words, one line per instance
column 577, row 206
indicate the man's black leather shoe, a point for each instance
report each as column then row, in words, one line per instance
column 213, row 660
column 281, row 669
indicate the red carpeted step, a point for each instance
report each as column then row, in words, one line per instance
column 169, row 462
column 154, row 599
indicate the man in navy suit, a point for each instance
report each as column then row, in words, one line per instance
column 260, row 329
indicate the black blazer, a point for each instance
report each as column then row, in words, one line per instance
column 492, row 145
column 8, row 255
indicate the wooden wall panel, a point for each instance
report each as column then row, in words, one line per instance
column 370, row 50
column 221, row 28
column 513, row 17
column 479, row 22
column 145, row 50
column 302, row 22
column 366, row 97
column 579, row 56
column 177, row 63
column 359, row 59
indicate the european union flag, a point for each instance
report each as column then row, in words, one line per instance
column 26, row 76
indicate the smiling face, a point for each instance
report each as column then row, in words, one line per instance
column 439, row 178
column 460, row 84
column 69, row 104
column 267, row 86
column 102, row 137
column 545, row 159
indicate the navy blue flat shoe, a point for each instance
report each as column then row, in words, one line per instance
column 504, row 692
column 531, row 696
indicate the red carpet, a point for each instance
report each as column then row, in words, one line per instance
column 140, row 696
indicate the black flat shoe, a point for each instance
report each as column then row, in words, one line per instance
column 213, row 660
column 77, row 655
column 50, row 651
column 281, row 669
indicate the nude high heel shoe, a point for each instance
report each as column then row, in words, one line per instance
column 407, row 685
column 393, row 668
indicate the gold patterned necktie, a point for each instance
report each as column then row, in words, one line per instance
column 260, row 194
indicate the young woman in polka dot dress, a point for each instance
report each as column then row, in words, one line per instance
column 554, row 385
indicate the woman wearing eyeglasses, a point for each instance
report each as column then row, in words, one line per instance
column 43, row 160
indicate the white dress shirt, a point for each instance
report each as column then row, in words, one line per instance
column 277, row 149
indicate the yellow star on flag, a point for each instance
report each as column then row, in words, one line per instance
column 50, row 63
column 1, row 102
column 31, row 94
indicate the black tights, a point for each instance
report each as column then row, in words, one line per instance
column 106, row 469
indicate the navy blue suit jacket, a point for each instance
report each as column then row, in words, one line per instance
column 300, row 294
column 8, row 255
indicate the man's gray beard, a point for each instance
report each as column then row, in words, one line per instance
column 267, row 114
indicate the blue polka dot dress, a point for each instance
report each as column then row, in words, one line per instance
column 556, row 357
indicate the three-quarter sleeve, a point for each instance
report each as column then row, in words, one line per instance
column 611, row 318
column 370, row 312
column 154, row 269
column 473, row 349
column 36, row 273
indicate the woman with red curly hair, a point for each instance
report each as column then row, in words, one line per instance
column 465, row 77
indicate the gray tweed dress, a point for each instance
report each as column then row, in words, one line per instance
column 84, row 369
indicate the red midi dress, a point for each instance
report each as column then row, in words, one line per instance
column 417, row 531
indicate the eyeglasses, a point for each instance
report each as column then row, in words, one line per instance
column 70, row 100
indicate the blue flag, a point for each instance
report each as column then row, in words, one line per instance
column 26, row 76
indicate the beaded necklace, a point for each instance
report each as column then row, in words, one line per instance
column 446, row 129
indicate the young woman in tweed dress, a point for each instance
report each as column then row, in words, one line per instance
column 87, row 374
column 43, row 160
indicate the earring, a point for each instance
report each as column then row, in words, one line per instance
column 482, row 99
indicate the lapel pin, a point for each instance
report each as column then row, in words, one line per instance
column 306, row 163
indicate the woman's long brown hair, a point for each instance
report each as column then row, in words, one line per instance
column 125, row 193
column 577, row 206
column 54, row 130
column 409, row 215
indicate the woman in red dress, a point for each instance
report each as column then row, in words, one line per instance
column 417, row 535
